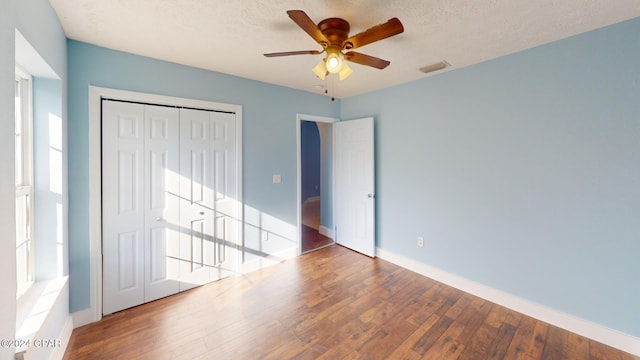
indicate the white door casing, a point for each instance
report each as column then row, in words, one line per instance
column 299, row 119
column 354, row 185
column 170, row 201
column 96, row 95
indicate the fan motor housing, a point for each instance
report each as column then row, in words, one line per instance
column 336, row 30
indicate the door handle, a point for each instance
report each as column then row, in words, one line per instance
column 370, row 196
column 158, row 219
column 201, row 213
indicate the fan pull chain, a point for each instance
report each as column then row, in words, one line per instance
column 333, row 88
column 326, row 87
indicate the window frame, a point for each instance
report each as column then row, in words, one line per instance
column 24, row 187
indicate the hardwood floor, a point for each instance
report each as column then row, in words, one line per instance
column 329, row 304
column 310, row 218
column 312, row 239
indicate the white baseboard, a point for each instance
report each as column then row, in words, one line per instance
column 600, row 333
column 325, row 231
column 313, row 199
column 83, row 317
column 65, row 335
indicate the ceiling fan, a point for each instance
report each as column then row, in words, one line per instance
column 333, row 35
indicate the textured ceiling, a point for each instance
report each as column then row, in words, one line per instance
column 231, row 36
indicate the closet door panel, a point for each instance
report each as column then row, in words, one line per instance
column 162, row 201
column 123, row 205
column 196, row 200
column 226, row 202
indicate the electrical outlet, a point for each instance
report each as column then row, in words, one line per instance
column 420, row 241
column 264, row 235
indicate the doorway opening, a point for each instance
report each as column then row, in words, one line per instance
column 315, row 182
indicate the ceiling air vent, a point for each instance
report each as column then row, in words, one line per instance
column 435, row 67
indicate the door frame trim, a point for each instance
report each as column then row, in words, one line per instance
column 96, row 94
column 299, row 119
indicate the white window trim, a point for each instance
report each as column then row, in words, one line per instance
column 26, row 187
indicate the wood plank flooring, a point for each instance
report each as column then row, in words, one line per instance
column 312, row 239
column 329, row 304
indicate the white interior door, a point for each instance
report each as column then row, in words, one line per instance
column 123, row 205
column 354, row 185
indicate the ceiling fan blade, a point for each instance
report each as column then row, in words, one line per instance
column 287, row 53
column 378, row 32
column 363, row 59
column 304, row 21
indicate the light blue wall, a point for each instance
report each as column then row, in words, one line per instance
column 7, row 180
column 269, row 142
column 522, row 173
column 39, row 25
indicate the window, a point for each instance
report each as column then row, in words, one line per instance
column 24, row 183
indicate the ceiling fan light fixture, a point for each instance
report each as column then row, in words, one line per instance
column 332, row 34
column 345, row 71
column 320, row 70
column 334, row 62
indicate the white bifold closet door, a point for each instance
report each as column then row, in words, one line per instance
column 169, row 210
column 209, row 203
